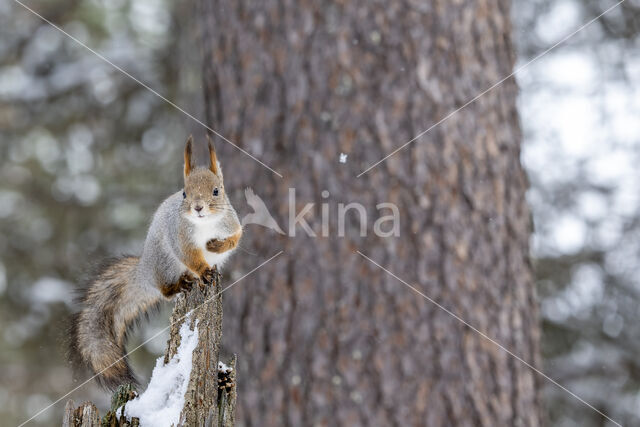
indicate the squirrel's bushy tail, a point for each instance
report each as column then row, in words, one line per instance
column 111, row 303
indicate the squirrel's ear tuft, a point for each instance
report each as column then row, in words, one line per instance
column 213, row 160
column 188, row 156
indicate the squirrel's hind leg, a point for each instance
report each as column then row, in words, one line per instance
column 184, row 283
column 210, row 276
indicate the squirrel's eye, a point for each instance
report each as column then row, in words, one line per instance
column 215, row 191
column 184, row 194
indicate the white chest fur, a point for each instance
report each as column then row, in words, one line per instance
column 203, row 231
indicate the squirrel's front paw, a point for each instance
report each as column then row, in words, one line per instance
column 209, row 276
column 186, row 281
column 217, row 245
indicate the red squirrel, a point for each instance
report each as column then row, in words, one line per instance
column 192, row 231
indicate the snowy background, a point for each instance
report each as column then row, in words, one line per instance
column 79, row 144
column 580, row 112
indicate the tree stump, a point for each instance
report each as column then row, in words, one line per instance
column 202, row 306
column 210, row 399
column 86, row 415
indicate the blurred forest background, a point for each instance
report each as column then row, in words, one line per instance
column 86, row 154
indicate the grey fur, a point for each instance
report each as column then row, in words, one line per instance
column 129, row 287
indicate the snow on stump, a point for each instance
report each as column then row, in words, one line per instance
column 189, row 386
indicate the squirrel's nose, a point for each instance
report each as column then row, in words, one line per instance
column 198, row 208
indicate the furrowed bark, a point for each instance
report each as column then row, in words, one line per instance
column 85, row 415
column 227, row 395
column 201, row 307
column 333, row 338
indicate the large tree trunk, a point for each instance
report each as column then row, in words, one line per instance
column 325, row 337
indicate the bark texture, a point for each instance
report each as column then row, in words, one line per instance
column 227, row 395
column 201, row 307
column 86, row 415
column 325, row 337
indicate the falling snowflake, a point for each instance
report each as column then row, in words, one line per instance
column 343, row 158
